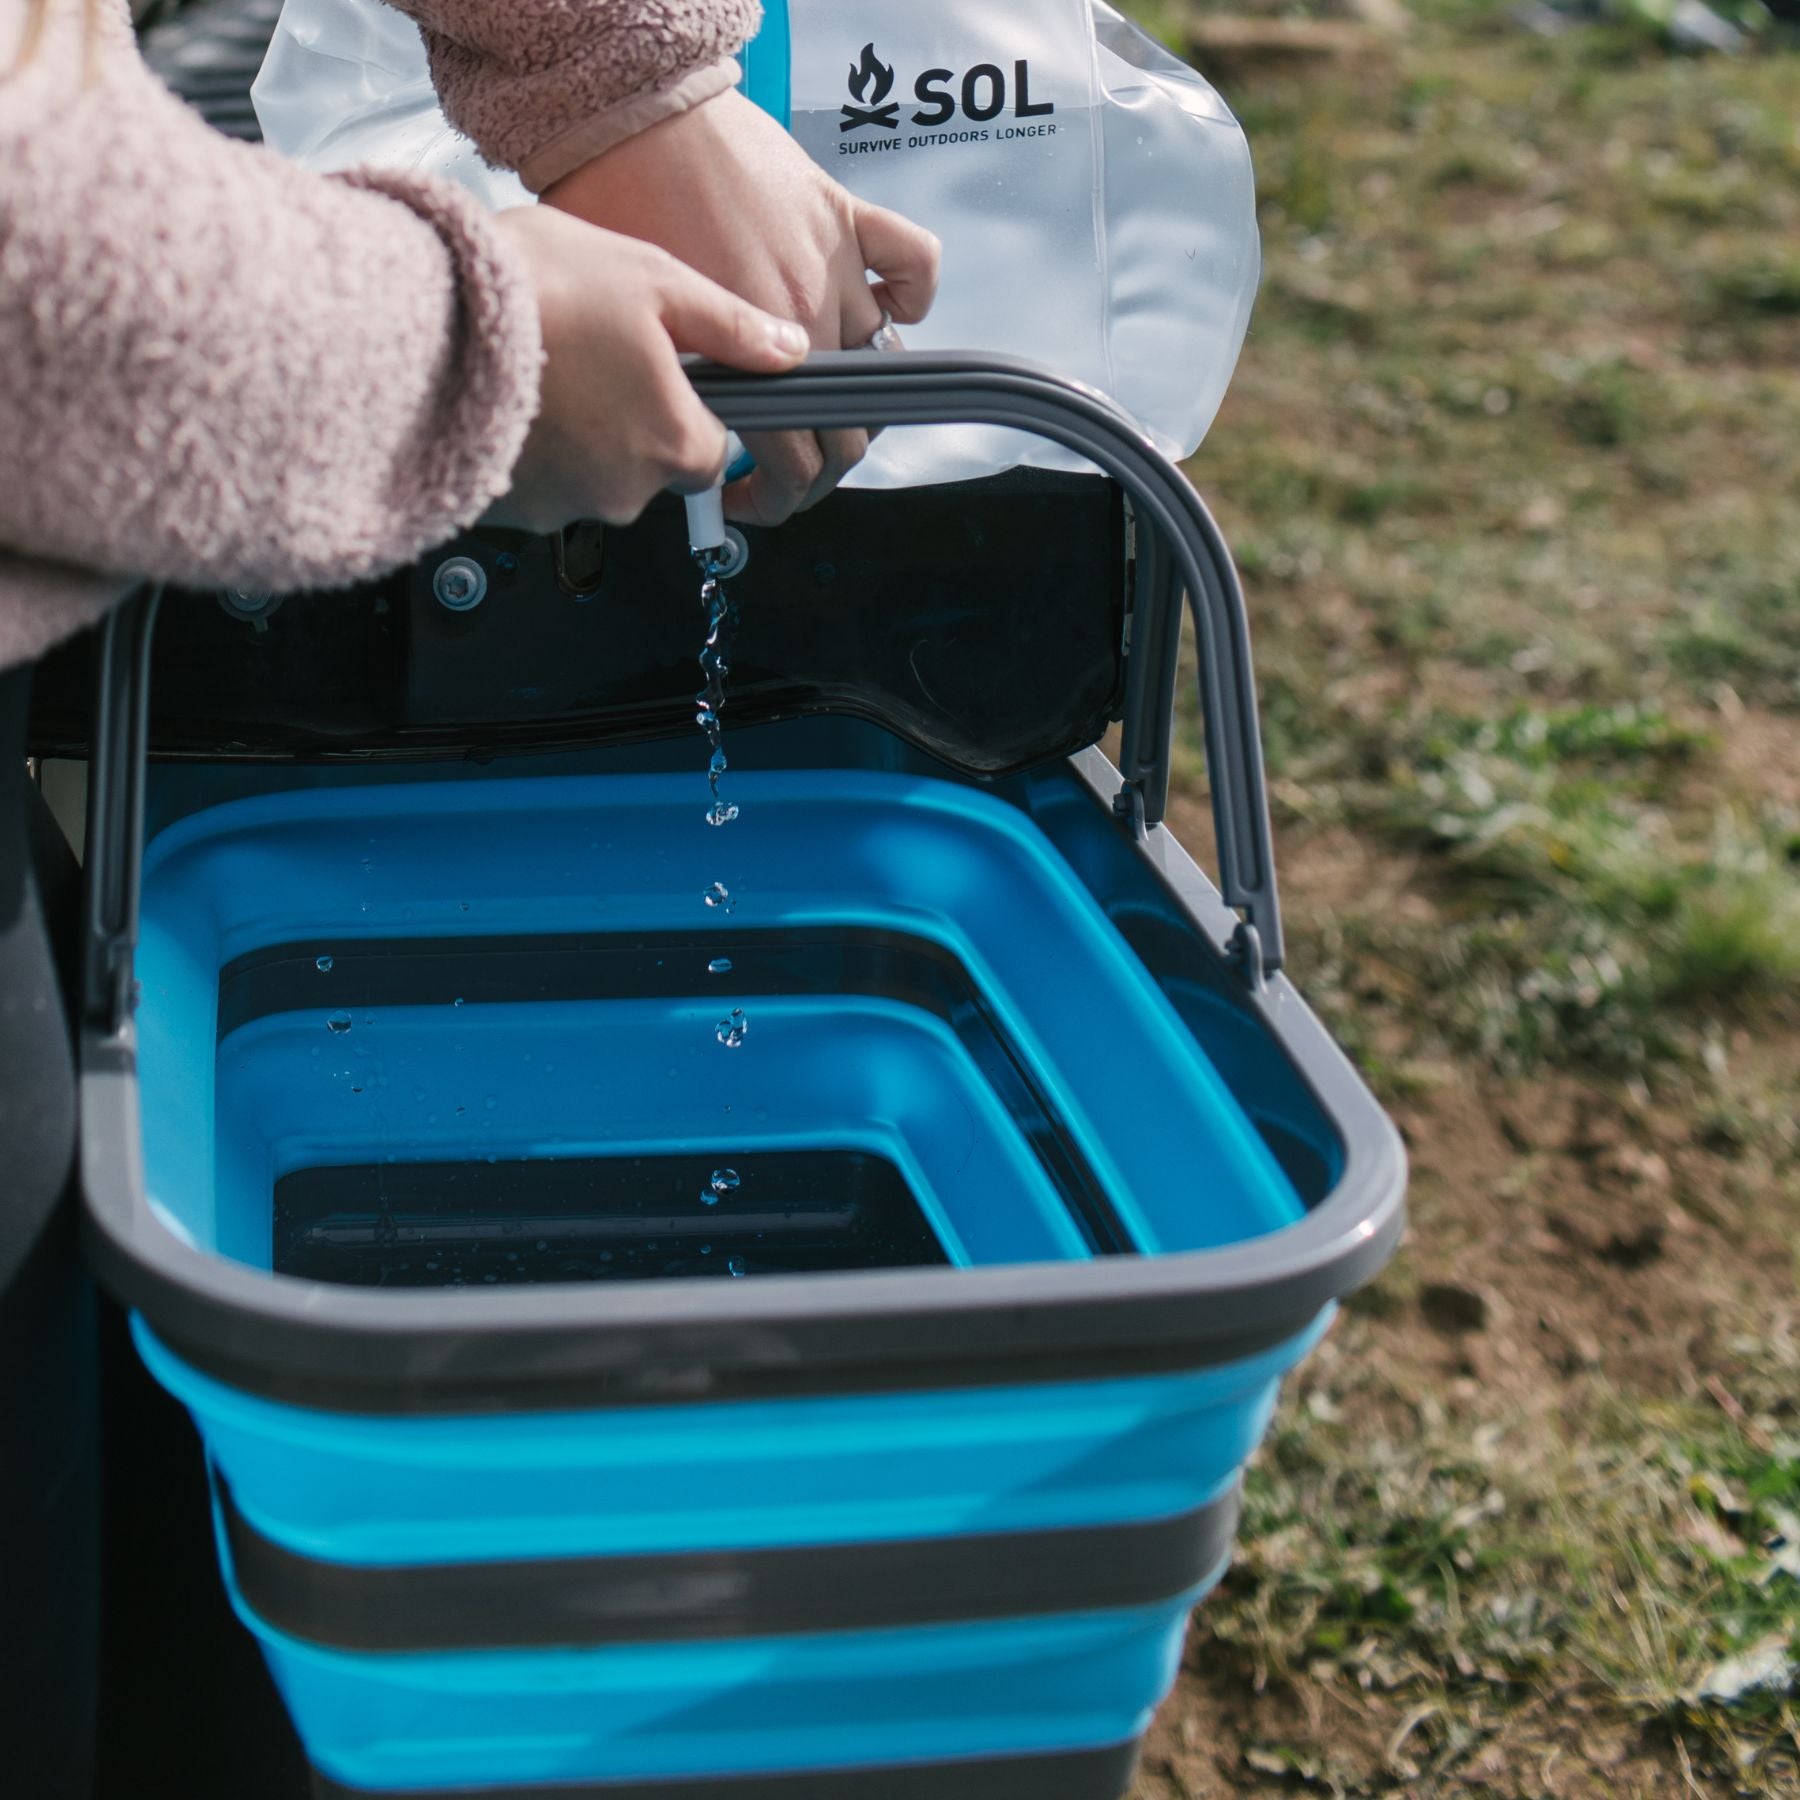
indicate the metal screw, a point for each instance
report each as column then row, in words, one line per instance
column 460, row 583
column 254, row 605
column 736, row 550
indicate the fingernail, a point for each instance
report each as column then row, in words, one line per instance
column 790, row 339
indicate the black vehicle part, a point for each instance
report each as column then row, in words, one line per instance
column 209, row 52
column 981, row 621
column 638, row 1343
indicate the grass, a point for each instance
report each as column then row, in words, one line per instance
column 1583, row 922
column 1510, row 467
column 1513, row 440
column 1633, row 1553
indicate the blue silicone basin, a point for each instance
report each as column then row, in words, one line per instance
column 833, row 1701
column 925, row 859
column 735, row 1474
column 338, row 873
column 751, row 1475
column 625, row 1079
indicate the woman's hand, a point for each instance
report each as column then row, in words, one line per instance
column 726, row 190
column 618, row 420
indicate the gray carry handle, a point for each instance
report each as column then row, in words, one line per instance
column 1184, row 549
column 114, row 845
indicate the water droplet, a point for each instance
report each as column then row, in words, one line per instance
column 339, row 1021
column 721, row 812
column 719, row 895
column 732, row 1032
column 724, row 1181
column 720, row 965
column 543, row 1243
column 708, row 1197
column 463, row 904
column 323, row 965
column 736, row 1265
column 458, row 1001
column 490, row 1102
column 706, row 1249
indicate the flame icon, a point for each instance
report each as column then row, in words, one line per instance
column 871, row 81
column 871, row 69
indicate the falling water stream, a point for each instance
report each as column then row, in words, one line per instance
column 715, row 665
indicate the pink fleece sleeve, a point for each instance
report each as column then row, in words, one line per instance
column 216, row 368
column 543, row 86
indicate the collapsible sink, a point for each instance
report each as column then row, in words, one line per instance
column 793, row 1337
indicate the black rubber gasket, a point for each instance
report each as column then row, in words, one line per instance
column 1102, row 1774
column 699, row 1596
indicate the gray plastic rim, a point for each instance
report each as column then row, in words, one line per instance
column 427, row 1351
column 722, row 1596
column 1103, row 1773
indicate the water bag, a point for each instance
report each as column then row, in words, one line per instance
column 1093, row 193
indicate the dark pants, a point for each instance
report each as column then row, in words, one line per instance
column 161, row 1694
column 49, row 1435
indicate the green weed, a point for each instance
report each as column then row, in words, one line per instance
column 1607, row 408
column 1744, row 633
column 1576, row 925
column 1764, row 285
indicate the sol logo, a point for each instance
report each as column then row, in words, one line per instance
column 981, row 94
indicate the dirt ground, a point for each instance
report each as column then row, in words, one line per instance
column 1574, row 1247
column 1511, row 468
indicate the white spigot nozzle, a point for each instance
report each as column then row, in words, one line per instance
column 706, row 520
column 706, row 511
